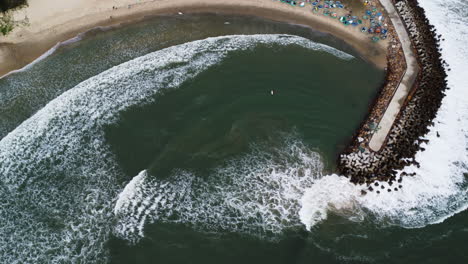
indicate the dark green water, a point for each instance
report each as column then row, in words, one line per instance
column 213, row 126
column 217, row 115
column 26, row 92
column 337, row 241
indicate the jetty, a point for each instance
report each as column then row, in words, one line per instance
column 402, row 41
column 394, row 131
column 405, row 85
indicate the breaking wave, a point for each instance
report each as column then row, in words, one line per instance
column 51, row 51
column 59, row 179
column 60, row 192
column 440, row 189
column 257, row 194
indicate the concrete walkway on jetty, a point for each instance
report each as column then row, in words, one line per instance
column 412, row 69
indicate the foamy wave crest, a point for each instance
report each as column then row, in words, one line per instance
column 257, row 194
column 58, row 177
column 332, row 193
column 262, row 38
column 49, row 52
column 426, row 198
column 440, row 188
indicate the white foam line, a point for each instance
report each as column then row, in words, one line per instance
column 256, row 194
column 54, row 49
column 56, row 167
column 80, row 36
column 129, row 191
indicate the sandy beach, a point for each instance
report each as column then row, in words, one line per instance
column 51, row 22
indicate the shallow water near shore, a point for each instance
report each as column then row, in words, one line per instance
column 200, row 153
column 25, row 92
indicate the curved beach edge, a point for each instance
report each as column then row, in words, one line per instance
column 51, row 23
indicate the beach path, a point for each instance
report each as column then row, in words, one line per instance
column 398, row 99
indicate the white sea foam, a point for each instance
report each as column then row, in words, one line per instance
column 58, row 178
column 257, row 194
column 440, row 189
column 53, row 50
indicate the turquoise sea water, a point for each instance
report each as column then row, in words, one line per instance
column 193, row 153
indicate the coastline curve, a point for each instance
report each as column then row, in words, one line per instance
column 53, row 25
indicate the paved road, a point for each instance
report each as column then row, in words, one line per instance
column 407, row 82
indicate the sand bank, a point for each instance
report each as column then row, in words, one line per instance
column 51, row 22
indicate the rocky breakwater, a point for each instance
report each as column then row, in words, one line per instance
column 365, row 166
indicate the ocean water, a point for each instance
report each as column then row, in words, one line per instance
column 147, row 145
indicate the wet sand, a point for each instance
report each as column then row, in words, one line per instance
column 51, row 22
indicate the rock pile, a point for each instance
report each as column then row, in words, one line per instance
column 364, row 166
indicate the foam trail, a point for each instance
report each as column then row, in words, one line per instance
column 332, row 193
column 257, row 194
column 52, row 50
column 440, row 189
column 58, row 177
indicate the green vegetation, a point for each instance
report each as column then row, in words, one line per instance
column 7, row 23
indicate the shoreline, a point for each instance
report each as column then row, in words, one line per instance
column 359, row 161
column 16, row 52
